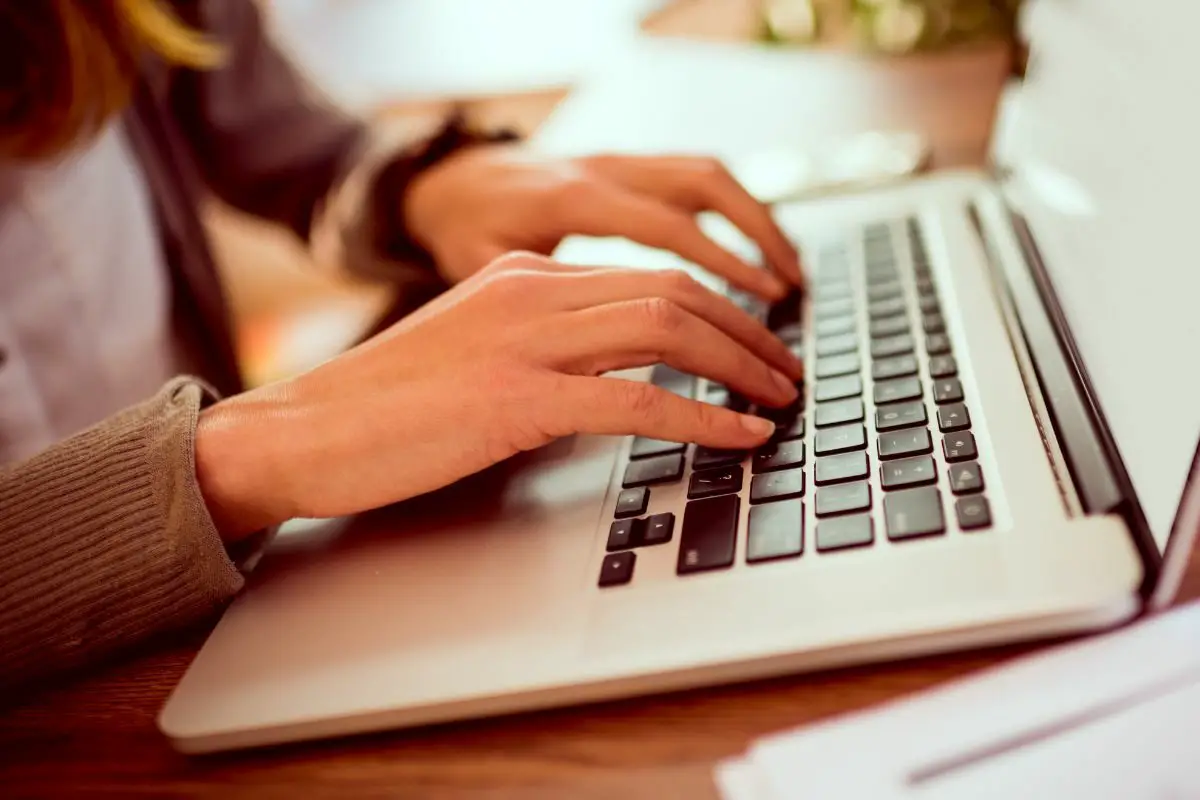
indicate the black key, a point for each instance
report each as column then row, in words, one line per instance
column 843, row 498
column 617, row 568
column 833, row 366
column 913, row 513
column 777, row 486
column 973, row 512
column 900, row 415
column 775, row 531
column 841, row 468
column 834, row 326
column 622, row 534
column 838, row 388
column 840, row 439
column 711, row 482
column 836, row 345
column 933, row 323
column 907, row 472
column 966, row 478
column 838, row 307
column 937, row 344
column 643, row 447
column 959, row 446
column 947, row 390
column 885, row 290
column 897, row 389
column 709, row 457
column 943, row 366
column 886, row 308
column 895, row 367
column 709, row 534
column 784, row 433
column 660, row 469
column 953, row 417
column 891, row 346
column 840, row 533
column 889, row 326
column 657, row 529
column 632, row 502
column 839, row 412
column 674, row 381
column 901, row 444
column 928, row 304
column 783, row 455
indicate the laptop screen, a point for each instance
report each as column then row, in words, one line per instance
column 1103, row 142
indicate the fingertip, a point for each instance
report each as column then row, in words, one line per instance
column 761, row 428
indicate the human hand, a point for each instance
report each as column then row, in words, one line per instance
column 487, row 201
column 507, row 361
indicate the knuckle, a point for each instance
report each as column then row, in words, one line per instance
column 641, row 400
column 661, row 315
column 711, row 169
column 678, row 282
column 516, row 260
column 574, row 188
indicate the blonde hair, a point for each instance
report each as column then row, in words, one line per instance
column 67, row 66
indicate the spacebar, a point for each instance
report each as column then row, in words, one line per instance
column 709, row 535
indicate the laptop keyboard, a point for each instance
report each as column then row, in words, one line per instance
column 859, row 467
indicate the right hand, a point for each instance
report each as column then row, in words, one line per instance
column 507, row 361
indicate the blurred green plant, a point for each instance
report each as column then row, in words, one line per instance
column 888, row 26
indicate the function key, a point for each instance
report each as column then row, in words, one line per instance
column 943, row 366
column 839, row 412
column 894, row 367
column 833, row 366
column 839, row 439
column 836, row 345
column 632, row 502
column 711, row 482
column 783, row 455
column 840, row 533
column 659, row 469
column 947, row 390
column 899, row 444
column 906, row 472
column 953, row 417
column 959, row 446
column 709, row 457
column 775, row 531
column 937, row 344
column 843, row 498
column 777, row 486
column 896, row 390
column 841, row 468
column 914, row 513
column 973, row 512
column 643, row 447
column 889, row 326
column 622, row 534
column 838, row 388
column 966, row 478
column 900, row 415
column 617, row 568
column 657, row 529
column 709, row 534
column 891, row 346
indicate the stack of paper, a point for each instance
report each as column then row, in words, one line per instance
column 1113, row 717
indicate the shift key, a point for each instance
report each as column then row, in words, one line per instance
column 709, row 535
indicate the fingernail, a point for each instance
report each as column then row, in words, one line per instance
column 758, row 426
column 785, row 385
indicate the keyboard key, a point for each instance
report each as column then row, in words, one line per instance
column 884, row 290
column 795, row 430
column 775, row 531
column 622, row 534
column 840, row 439
column 716, row 394
column 937, row 344
column 886, row 308
column 840, row 533
column 900, row 415
column 959, row 446
column 709, row 534
column 781, row 415
column 973, row 512
column 711, row 482
column 833, row 289
column 966, row 478
column 709, row 457
column 913, row 513
column 901, row 444
column 907, row 472
column 843, row 498
column 947, row 390
column 891, row 346
column 783, row 455
column 793, row 335
column 897, row 389
column 953, row 417
column 928, row 303
column 833, row 366
column 674, row 381
column 933, row 323
column 836, row 345
column 632, row 502
column 889, row 326
column 617, row 568
column 838, row 388
column 839, row 412
column 925, row 284
column 841, row 468
column 660, row 469
column 895, row 367
column 777, row 486
column 643, row 447
column 657, row 529
column 943, row 367
column 838, row 307
column 834, row 326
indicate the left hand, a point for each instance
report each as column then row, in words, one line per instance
column 486, row 201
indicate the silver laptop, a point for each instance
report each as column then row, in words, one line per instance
column 997, row 441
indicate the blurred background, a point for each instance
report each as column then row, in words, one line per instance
column 513, row 62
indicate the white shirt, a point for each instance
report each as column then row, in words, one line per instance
column 85, row 297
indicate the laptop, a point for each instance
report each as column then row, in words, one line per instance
column 997, row 441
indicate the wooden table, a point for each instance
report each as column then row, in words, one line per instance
column 97, row 734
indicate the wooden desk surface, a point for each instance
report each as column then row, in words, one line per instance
column 97, row 735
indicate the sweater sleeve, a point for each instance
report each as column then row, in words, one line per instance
column 105, row 540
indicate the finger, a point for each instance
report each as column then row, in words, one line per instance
column 611, row 406
column 609, row 210
column 636, row 333
column 580, row 288
column 706, row 184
